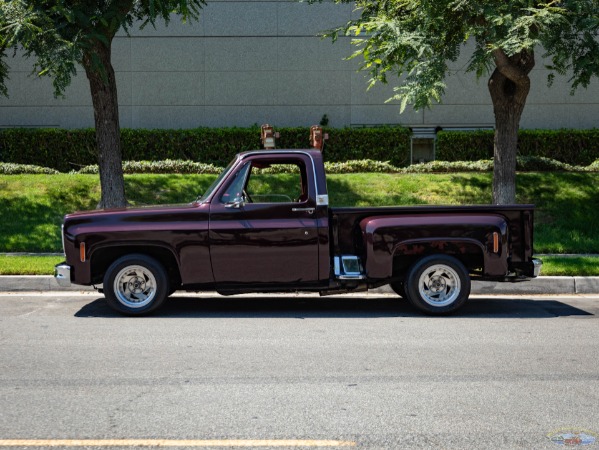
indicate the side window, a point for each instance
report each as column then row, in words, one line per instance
column 235, row 191
column 277, row 182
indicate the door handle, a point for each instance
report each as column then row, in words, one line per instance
column 308, row 210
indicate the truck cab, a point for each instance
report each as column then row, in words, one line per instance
column 267, row 227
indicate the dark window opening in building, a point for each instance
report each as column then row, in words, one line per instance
column 423, row 145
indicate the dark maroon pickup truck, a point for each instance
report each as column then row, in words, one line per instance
column 253, row 231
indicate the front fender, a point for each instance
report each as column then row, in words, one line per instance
column 177, row 233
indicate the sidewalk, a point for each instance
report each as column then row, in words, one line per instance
column 541, row 285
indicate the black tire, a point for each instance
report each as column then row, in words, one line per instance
column 135, row 285
column 438, row 284
column 399, row 287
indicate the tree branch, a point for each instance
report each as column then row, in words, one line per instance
column 507, row 67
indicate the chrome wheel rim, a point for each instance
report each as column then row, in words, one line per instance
column 439, row 285
column 135, row 286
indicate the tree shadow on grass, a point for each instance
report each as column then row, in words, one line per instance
column 342, row 193
column 472, row 189
column 567, row 207
column 567, row 210
column 165, row 189
column 29, row 227
column 30, row 223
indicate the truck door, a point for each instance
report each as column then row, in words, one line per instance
column 263, row 226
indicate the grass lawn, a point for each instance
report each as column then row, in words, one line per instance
column 578, row 266
column 32, row 206
column 28, row 265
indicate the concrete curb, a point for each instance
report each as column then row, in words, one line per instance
column 31, row 283
column 541, row 285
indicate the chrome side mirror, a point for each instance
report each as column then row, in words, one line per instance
column 237, row 204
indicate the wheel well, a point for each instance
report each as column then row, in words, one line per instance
column 469, row 254
column 102, row 258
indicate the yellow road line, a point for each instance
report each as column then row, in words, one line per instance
column 173, row 443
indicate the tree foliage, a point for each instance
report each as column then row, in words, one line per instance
column 59, row 33
column 62, row 34
column 419, row 39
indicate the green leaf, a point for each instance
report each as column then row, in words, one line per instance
column 404, row 103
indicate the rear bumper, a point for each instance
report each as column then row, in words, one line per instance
column 537, row 264
column 523, row 271
column 62, row 274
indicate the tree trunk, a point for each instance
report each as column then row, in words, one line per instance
column 102, row 83
column 509, row 86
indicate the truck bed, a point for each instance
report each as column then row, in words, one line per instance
column 347, row 239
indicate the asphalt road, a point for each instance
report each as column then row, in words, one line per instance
column 366, row 371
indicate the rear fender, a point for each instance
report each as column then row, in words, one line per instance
column 469, row 237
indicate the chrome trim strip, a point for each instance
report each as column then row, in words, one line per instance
column 351, row 277
column 337, row 266
column 289, row 152
column 62, row 235
column 322, row 200
column 308, row 210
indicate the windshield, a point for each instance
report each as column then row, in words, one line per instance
column 216, row 182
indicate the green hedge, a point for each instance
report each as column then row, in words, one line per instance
column 25, row 169
column 58, row 149
column 67, row 150
column 169, row 166
column 575, row 147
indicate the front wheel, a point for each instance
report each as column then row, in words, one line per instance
column 438, row 284
column 135, row 285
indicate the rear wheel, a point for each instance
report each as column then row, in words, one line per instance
column 135, row 284
column 438, row 284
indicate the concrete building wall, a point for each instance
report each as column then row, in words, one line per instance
column 248, row 62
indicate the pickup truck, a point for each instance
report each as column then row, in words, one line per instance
column 254, row 231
